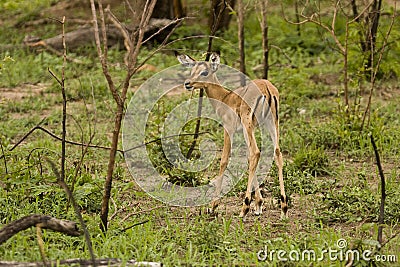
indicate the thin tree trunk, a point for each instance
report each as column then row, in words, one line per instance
column 133, row 44
column 264, row 30
column 110, row 169
column 357, row 19
column 241, row 42
column 373, row 30
column 296, row 10
column 213, row 29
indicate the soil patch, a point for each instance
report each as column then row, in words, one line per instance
column 22, row 91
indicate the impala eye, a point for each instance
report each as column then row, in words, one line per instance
column 204, row 73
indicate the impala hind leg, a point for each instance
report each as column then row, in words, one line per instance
column 279, row 163
column 258, row 205
column 253, row 158
column 273, row 127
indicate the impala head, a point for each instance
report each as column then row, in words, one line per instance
column 202, row 71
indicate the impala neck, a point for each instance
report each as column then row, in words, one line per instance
column 215, row 90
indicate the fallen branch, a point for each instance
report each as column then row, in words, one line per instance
column 45, row 222
column 82, row 262
column 84, row 36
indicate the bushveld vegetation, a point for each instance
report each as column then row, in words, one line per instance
column 331, row 105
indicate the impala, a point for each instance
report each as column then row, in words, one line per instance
column 245, row 108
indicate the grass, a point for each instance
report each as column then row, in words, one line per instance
column 330, row 173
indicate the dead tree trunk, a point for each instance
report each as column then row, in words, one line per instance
column 220, row 22
column 373, row 19
column 368, row 38
column 85, row 36
column 168, row 9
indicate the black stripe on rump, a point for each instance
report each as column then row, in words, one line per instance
column 276, row 108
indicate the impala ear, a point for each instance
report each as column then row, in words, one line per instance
column 215, row 60
column 185, row 60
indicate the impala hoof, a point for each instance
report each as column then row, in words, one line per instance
column 258, row 207
column 258, row 212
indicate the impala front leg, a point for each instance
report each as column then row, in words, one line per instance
column 226, row 151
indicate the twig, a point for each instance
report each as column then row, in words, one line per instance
column 175, row 21
column 41, row 244
column 119, row 210
column 383, row 192
column 3, row 156
column 162, row 45
column 64, row 107
column 84, row 149
column 330, row 29
column 124, row 31
column 140, row 212
column 115, row 209
column 57, row 138
column 284, row 54
column 76, row 208
column 133, row 225
column 390, row 239
column 102, row 54
column 94, row 146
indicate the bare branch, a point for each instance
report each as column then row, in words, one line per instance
column 146, row 15
column 96, row 31
column 175, row 21
column 124, row 31
column 334, row 15
column 3, row 156
column 356, row 18
column 38, row 127
column 103, row 54
column 103, row 31
column 54, row 76
column 307, row 19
